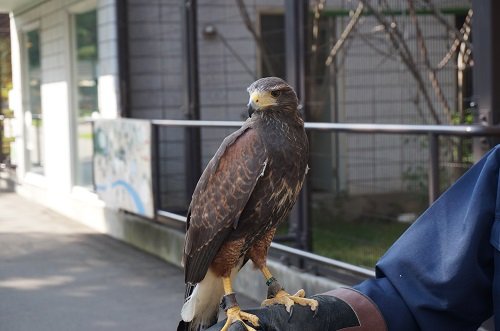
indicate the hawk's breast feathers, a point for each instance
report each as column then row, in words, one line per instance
column 220, row 197
column 251, row 183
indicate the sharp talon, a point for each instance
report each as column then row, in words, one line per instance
column 250, row 317
column 315, row 312
column 235, row 314
column 300, row 293
column 289, row 300
column 290, row 316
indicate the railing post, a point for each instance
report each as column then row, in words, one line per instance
column 433, row 167
column 191, row 96
column 92, row 166
column 296, row 13
column 486, row 69
column 155, row 167
column 122, row 33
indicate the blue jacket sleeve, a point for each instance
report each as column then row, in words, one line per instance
column 439, row 274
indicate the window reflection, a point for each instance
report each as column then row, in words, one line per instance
column 33, row 114
column 86, row 70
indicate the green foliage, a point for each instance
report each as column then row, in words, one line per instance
column 33, row 47
column 5, row 74
column 360, row 243
column 36, row 122
column 466, row 118
column 4, row 91
column 86, row 36
column 6, row 146
column 9, row 113
column 415, row 178
column 85, row 136
column 88, row 52
column 5, row 87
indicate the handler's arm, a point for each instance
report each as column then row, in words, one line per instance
column 439, row 274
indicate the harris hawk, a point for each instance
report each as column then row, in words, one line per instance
column 247, row 189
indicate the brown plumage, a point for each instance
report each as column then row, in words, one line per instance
column 248, row 188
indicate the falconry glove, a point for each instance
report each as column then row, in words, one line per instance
column 340, row 309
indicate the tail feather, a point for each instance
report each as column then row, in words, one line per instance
column 201, row 308
column 188, row 291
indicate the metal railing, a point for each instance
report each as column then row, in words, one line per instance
column 432, row 131
column 349, row 274
column 341, row 271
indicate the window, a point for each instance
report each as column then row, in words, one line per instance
column 86, row 81
column 272, row 31
column 33, row 104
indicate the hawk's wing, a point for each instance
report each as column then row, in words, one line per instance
column 219, row 198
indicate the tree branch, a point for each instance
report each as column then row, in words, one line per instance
column 401, row 47
column 345, row 34
column 374, row 47
column 318, row 9
column 258, row 40
column 237, row 56
column 464, row 32
column 431, row 72
column 442, row 19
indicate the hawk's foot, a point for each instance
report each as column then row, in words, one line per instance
column 235, row 314
column 288, row 300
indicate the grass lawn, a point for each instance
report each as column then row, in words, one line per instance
column 361, row 243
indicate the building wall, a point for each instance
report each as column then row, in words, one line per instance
column 53, row 19
column 229, row 63
column 157, row 78
column 371, row 88
column 155, row 58
column 156, row 85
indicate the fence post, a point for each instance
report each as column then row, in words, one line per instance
column 123, row 49
column 486, row 69
column 191, row 96
column 155, row 167
column 296, row 13
column 433, row 167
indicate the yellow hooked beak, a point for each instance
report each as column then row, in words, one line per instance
column 259, row 100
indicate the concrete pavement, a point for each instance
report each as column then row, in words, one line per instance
column 56, row 274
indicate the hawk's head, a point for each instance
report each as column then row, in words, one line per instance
column 271, row 93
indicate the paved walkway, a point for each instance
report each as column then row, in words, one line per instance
column 58, row 275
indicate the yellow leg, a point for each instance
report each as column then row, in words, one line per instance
column 228, row 288
column 267, row 274
column 234, row 313
column 285, row 298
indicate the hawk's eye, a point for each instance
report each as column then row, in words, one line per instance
column 275, row 94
